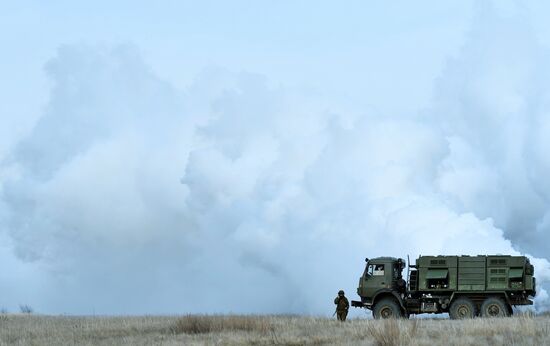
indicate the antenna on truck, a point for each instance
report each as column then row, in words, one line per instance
column 408, row 270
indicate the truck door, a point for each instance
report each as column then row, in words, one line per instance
column 376, row 278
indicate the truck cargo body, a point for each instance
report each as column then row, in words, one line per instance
column 463, row 286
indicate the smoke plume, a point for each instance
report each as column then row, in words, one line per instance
column 130, row 195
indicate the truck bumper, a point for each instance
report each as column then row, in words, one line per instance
column 359, row 304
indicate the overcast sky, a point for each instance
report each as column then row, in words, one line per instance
column 246, row 156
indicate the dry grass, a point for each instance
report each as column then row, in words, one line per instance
column 202, row 324
column 24, row 329
column 389, row 332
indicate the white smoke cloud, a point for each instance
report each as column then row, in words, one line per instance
column 493, row 100
column 130, row 196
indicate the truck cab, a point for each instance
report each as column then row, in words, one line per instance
column 382, row 278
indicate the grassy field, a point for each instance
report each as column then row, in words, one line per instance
column 268, row 330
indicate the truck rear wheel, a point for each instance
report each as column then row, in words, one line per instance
column 462, row 308
column 494, row 307
column 387, row 308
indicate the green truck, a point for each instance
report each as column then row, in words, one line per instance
column 463, row 286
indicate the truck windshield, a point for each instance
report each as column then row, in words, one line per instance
column 368, row 271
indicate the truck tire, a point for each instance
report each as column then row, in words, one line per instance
column 494, row 307
column 387, row 308
column 462, row 308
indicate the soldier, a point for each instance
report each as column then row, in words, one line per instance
column 342, row 306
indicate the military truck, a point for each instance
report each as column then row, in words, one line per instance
column 463, row 286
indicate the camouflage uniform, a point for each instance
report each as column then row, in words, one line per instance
column 342, row 306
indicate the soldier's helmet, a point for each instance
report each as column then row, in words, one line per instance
column 341, row 293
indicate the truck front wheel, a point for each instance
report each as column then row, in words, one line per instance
column 462, row 308
column 386, row 308
column 494, row 307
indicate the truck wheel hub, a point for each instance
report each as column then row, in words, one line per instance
column 386, row 312
column 463, row 311
column 493, row 310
